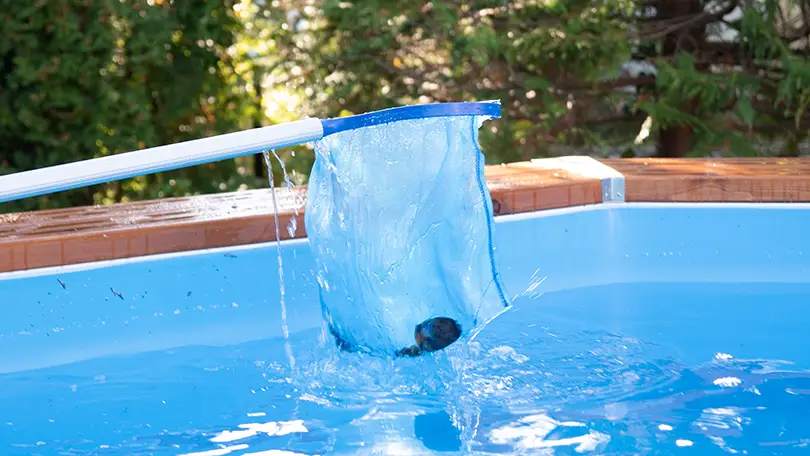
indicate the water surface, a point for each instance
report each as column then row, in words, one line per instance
column 621, row 369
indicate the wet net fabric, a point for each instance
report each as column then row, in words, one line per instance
column 399, row 220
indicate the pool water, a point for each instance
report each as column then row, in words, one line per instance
column 626, row 368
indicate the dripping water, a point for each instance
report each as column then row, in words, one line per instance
column 284, row 329
column 296, row 197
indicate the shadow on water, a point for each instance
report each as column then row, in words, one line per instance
column 437, row 432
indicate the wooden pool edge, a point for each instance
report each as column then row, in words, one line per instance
column 48, row 238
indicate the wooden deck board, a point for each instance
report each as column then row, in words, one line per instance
column 720, row 180
column 83, row 234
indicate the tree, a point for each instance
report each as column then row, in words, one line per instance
column 81, row 79
column 734, row 73
column 84, row 79
column 263, row 70
column 574, row 75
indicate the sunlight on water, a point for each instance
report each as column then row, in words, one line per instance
column 284, row 328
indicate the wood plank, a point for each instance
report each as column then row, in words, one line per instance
column 715, row 180
column 83, row 234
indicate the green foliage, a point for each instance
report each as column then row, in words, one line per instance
column 84, row 79
column 81, row 79
column 733, row 72
column 264, row 61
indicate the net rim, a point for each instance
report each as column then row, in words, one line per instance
column 491, row 109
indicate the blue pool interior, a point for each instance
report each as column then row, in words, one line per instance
column 676, row 328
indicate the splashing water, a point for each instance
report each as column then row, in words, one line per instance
column 603, row 370
column 284, row 328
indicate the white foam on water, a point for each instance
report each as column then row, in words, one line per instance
column 275, row 453
column 218, row 452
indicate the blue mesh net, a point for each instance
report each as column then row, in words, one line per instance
column 399, row 219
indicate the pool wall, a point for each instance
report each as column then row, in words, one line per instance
column 156, row 275
column 231, row 295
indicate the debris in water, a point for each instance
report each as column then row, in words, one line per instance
column 120, row 296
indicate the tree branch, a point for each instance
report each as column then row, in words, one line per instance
column 567, row 123
column 595, row 86
column 673, row 25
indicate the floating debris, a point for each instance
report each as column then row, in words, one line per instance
column 120, row 296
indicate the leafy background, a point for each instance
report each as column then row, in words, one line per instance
column 88, row 78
